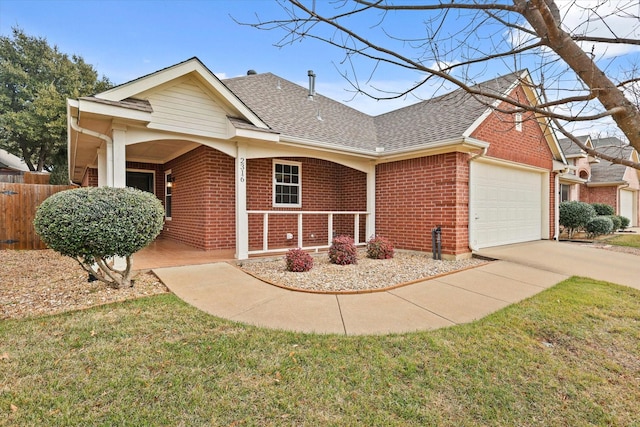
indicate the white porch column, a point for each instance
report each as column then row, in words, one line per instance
column 242, row 218
column 119, row 157
column 102, row 165
column 371, row 202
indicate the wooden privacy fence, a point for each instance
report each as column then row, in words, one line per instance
column 18, row 204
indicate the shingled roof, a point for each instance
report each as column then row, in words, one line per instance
column 570, row 149
column 286, row 108
column 605, row 171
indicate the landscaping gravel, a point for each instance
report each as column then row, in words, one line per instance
column 368, row 274
column 34, row 283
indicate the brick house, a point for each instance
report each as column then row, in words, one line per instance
column 258, row 164
column 593, row 180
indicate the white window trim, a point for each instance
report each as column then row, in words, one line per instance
column 518, row 118
column 299, row 185
column 166, row 184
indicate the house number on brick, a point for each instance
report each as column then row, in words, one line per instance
column 242, row 166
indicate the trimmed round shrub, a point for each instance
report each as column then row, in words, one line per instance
column 603, row 209
column 617, row 222
column 298, row 260
column 95, row 224
column 575, row 215
column 599, row 225
column 379, row 248
column 624, row 222
column 343, row 251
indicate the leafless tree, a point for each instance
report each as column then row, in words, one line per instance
column 569, row 50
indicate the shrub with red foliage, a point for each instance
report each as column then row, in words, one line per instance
column 298, row 261
column 379, row 248
column 343, row 251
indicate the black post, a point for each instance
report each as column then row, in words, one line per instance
column 436, row 242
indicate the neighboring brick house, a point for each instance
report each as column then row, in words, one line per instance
column 259, row 164
column 594, row 180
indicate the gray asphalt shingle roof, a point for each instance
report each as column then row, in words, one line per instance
column 569, row 148
column 284, row 106
column 605, row 171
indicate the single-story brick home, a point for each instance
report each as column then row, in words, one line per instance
column 593, row 180
column 258, row 164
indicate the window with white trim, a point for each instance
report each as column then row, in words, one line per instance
column 168, row 190
column 287, row 184
column 519, row 122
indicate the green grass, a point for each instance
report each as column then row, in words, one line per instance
column 569, row 356
column 632, row 240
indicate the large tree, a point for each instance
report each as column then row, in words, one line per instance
column 572, row 52
column 35, row 80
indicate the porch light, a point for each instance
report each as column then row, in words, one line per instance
column 170, row 180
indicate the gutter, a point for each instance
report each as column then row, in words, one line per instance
column 75, row 125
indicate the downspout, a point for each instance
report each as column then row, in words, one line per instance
column 471, row 228
column 76, row 127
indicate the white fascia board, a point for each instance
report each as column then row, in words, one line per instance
column 86, row 106
column 465, row 145
column 142, row 84
column 308, row 143
column 607, row 184
column 571, row 178
column 254, row 134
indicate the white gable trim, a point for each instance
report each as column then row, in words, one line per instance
column 193, row 65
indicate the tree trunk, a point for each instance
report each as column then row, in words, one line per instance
column 610, row 96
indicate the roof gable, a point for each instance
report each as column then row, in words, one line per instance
column 192, row 68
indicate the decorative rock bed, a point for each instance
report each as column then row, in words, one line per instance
column 367, row 275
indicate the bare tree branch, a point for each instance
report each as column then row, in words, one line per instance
column 537, row 32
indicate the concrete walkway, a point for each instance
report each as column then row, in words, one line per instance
column 523, row 270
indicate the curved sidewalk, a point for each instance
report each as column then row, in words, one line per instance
column 523, row 270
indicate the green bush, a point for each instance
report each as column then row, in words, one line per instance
column 599, row 225
column 94, row 225
column 617, row 222
column 298, row 261
column 624, row 222
column 603, row 209
column 575, row 215
column 343, row 251
column 379, row 248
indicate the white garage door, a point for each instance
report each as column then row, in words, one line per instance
column 626, row 206
column 506, row 205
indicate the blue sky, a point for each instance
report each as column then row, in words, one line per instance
column 126, row 39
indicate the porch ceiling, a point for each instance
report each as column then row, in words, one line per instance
column 158, row 152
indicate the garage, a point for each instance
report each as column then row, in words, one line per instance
column 507, row 204
column 627, row 204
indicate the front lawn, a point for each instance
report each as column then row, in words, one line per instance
column 630, row 240
column 569, row 356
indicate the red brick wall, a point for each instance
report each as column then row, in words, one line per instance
column 528, row 147
column 326, row 186
column 416, row 195
column 203, row 199
column 90, row 178
column 606, row 195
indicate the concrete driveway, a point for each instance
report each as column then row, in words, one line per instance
column 572, row 259
column 522, row 271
